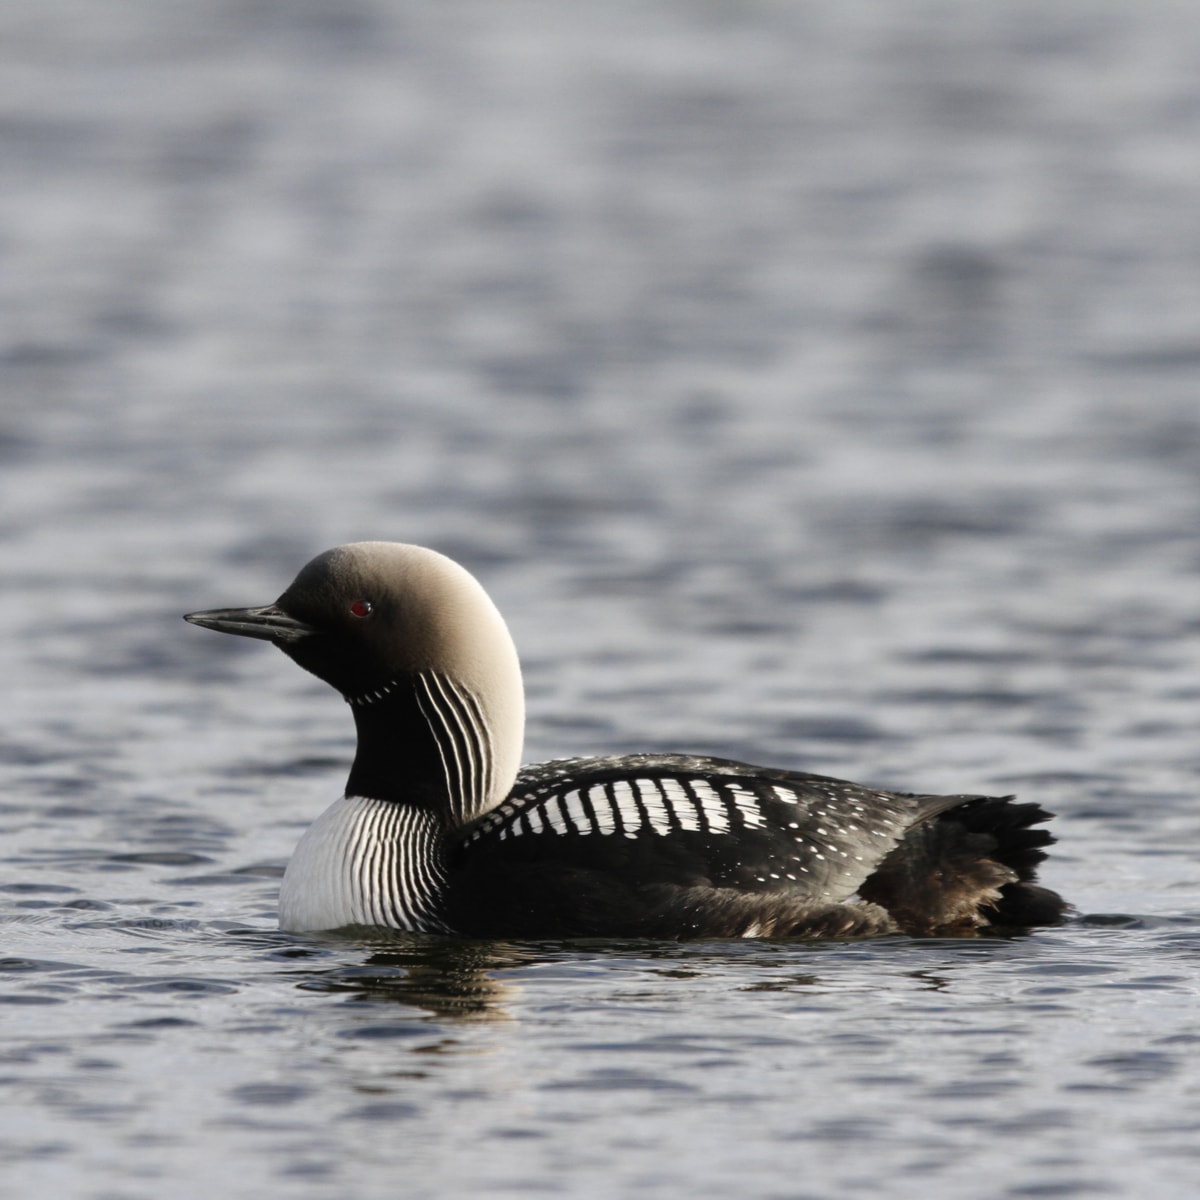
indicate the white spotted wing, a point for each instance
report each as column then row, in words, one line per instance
column 725, row 823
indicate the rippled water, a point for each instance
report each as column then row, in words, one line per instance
column 813, row 384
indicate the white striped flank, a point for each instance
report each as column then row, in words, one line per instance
column 576, row 814
column 655, row 805
column 747, row 805
column 683, row 808
column 365, row 862
column 631, row 807
column 606, row 816
column 463, row 740
column 556, row 815
column 621, row 798
column 712, row 804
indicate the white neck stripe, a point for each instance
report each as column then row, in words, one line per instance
column 463, row 740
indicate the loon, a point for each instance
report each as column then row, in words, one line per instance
column 442, row 831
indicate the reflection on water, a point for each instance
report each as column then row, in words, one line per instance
column 456, row 980
column 452, row 980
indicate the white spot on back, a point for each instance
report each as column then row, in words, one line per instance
column 747, row 805
column 576, row 813
column 712, row 804
column 673, row 790
column 626, row 805
column 681, row 804
column 555, row 815
column 656, row 806
column 606, row 816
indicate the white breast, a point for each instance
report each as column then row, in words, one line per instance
column 364, row 862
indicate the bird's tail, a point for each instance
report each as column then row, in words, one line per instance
column 973, row 865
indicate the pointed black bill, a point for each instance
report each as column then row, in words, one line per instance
column 269, row 622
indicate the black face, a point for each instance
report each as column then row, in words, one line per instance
column 330, row 621
column 346, row 647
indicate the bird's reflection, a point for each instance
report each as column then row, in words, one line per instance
column 460, row 979
column 448, row 977
column 464, row 980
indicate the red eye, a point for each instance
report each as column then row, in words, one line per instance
column 362, row 608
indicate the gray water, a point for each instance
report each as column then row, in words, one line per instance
column 809, row 383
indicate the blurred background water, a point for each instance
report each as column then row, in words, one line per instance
column 814, row 384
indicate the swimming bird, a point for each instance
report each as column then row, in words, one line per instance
column 440, row 829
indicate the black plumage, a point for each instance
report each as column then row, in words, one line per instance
column 918, row 864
